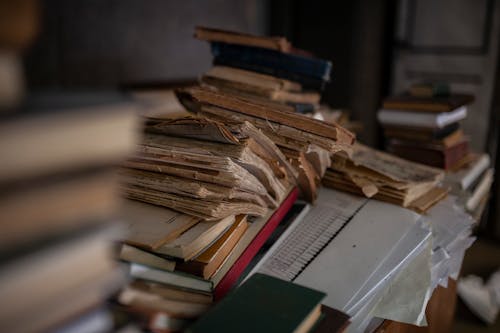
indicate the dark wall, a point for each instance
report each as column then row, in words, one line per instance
column 356, row 37
column 112, row 42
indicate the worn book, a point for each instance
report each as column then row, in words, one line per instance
column 428, row 120
column 280, row 96
column 420, row 134
column 51, row 206
column 225, row 132
column 175, row 279
column 173, row 292
column 195, row 97
column 435, row 155
column 386, row 177
column 135, row 297
column 192, row 190
column 437, row 104
column 310, row 72
column 280, row 44
column 150, row 227
column 71, row 128
column 287, row 308
column 244, row 154
column 207, row 262
column 133, row 254
column 259, row 81
column 197, row 239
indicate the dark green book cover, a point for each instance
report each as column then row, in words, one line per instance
column 262, row 304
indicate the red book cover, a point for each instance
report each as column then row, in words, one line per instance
column 239, row 266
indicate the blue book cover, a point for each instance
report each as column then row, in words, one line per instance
column 306, row 70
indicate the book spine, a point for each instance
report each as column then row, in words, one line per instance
column 246, row 257
column 302, row 66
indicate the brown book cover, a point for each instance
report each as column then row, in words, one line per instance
column 209, row 260
column 426, row 104
column 194, row 97
column 432, row 155
column 230, row 37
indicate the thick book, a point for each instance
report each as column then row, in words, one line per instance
column 263, row 304
column 139, row 298
column 195, row 96
column 436, row 156
column 207, row 262
column 420, row 134
column 287, row 66
column 427, row 120
column 427, row 104
column 58, row 133
column 177, row 279
column 280, row 44
column 52, row 206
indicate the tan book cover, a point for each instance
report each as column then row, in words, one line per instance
column 218, row 35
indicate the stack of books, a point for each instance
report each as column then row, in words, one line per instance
column 59, row 192
column 204, row 198
column 376, row 174
column 267, row 82
column 426, row 129
column 207, row 169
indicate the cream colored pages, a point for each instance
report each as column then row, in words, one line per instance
column 151, row 226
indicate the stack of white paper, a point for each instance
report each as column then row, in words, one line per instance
column 451, row 233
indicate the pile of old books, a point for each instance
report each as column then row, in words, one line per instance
column 59, row 192
column 196, row 185
column 423, row 126
column 386, row 177
column 265, row 81
column 207, row 190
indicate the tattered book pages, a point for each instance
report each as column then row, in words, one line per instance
column 191, row 188
column 231, row 102
column 382, row 176
column 150, row 226
column 204, row 209
column 241, row 154
column 194, row 240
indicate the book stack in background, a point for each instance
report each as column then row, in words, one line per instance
column 267, row 82
column 58, row 195
column 204, row 198
column 423, row 126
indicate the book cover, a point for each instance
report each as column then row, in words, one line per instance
column 273, row 62
column 263, row 304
